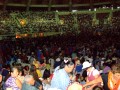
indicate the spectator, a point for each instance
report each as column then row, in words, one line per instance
column 0, row 81
column 106, row 68
column 63, row 80
column 38, row 83
column 37, row 64
column 28, row 83
column 114, row 75
column 92, row 73
column 21, row 75
column 12, row 82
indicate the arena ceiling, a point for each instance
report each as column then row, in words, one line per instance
column 52, row 5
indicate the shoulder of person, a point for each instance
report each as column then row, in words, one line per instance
column 18, row 81
column 96, row 72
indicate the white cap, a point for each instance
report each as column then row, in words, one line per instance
column 86, row 64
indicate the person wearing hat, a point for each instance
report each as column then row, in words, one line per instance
column 111, row 80
column 92, row 73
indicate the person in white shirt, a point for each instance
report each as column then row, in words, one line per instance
column 51, row 61
column 92, row 73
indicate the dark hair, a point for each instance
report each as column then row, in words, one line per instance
column 82, row 60
column 33, row 68
column 41, row 61
column 116, row 68
column 38, row 83
column 97, row 88
column 13, row 68
column 66, row 62
column 46, row 74
column 21, row 70
column 26, row 67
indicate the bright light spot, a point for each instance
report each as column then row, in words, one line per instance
column 89, row 9
column 94, row 9
column 56, row 10
column 74, row 10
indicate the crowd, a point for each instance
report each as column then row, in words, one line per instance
column 64, row 62
column 24, row 22
column 88, row 60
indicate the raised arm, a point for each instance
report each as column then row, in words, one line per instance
column 97, row 80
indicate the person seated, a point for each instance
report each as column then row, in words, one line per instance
column 37, row 65
column 38, row 82
column 111, row 80
column 78, row 67
column 92, row 73
column 5, row 71
column 106, row 68
column 13, row 82
column 21, row 75
column 46, row 80
column 28, row 83
column 26, row 70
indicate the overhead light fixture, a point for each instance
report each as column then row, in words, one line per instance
column 56, row 10
column 89, row 9
column 112, row 8
column 74, row 10
column 118, row 7
column 94, row 9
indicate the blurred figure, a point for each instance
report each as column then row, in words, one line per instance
column 37, row 65
column 21, row 75
column 0, row 78
column 0, row 81
column 12, row 82
column 38, row 83
column 61, row 79
column 26, row 70
column 111, row 80
column 28, row 83
column 92, row 73
column 106, row 68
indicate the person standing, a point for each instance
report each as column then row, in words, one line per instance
column 61, row 79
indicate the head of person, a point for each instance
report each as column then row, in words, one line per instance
column 116, row 70
column 97, row 88
column 29, row 80
column 75, row 86
column 26, row 68
column 68, row 65
column 78, row 62
column 14, row 71
column 21, row 72
column 38, row 84
column 87, row 66
column 33, row 68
